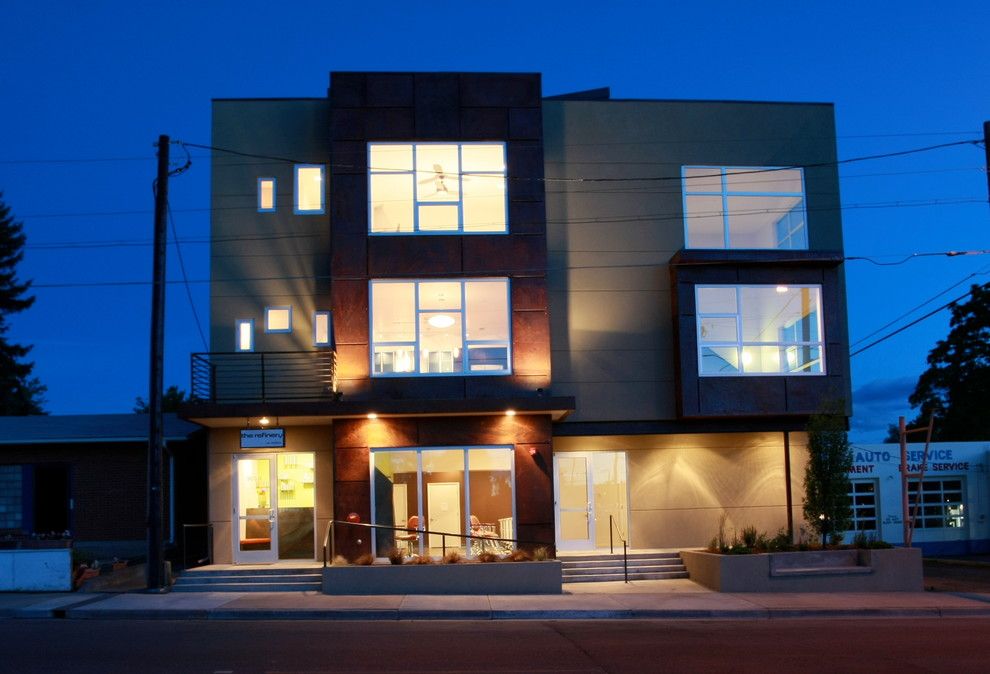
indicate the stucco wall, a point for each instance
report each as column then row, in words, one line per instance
column 680, row 485
column 224, row 443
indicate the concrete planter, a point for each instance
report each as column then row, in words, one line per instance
column 466, row 578
column 892, row 570
column 41, row 570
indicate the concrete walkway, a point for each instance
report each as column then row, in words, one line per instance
column 639, row 599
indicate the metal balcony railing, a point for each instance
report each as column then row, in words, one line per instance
column 272, row 376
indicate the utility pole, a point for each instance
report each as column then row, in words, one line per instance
column 157, row 581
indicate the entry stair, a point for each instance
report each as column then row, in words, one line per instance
column 273, row 579
column 605, row 567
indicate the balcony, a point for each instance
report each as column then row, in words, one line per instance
column 264, row 377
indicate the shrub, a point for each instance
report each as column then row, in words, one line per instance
column 340, row 560
column 487, row 557
column 422, row 559
column 396, row 556
column 365, row 560
column 519, row 556
column 781, row 542
column 750, row 536
column 453, row 557
column 542, row 554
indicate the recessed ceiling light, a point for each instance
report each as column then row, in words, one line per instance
column 264, row 421
column 782, row 289
column 372, row 415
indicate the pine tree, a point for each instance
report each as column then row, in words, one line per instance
column 20, row 393
column 956, row 385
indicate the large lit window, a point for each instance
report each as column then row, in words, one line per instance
column 447, row 490
column 440, row 327
column 436, row 188
column 863, row 498
column 746, row 330
column 941, row 506
column 309, row 189
column 744, row 207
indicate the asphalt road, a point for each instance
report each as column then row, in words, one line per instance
column 954, row 645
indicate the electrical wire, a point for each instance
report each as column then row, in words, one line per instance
column 185, row 278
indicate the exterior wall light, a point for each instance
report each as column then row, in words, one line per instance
column 510, row 413
column 372, row 415
column 264, row 421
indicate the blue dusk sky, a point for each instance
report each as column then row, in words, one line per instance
column 88, row 87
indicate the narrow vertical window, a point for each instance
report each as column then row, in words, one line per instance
column 266, row 195
column 309, row 189
column 244, row 334
column 278, row 319
column 321, row 328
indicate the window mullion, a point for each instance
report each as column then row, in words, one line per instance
column 464, row 320
column 726, row 243
column 416, row 346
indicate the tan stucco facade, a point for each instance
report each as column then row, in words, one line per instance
column 224, row 444
column 680, row 485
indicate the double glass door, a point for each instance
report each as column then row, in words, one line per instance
column 591, row 497
column 274, row 499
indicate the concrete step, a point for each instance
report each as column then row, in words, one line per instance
column 612, row 568
column 604, row 577
column 273, row 571
column 600, row 556
column 250, row 579
column 612, row 561
column 248, row 587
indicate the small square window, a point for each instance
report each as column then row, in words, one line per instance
column 321, row 329
column 309, row 189
column 278, row 319
column 266, row 195
column 244, row 334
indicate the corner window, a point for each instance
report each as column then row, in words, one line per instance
column 941, row 504
column 244, row 334
column 436, row 188
column 321, row 328
column 440, row 327
column 266, row 195
column 744, row 207
column 764, row 330
column 309, row 189
column 278, row 319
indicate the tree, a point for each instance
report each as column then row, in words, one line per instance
column 826, row 479
column 171, row 401
column 20, row 393
column 956, row 385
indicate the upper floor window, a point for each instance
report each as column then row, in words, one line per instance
column 309, row 190
column 436, row 188
column 244, row 334
column 440, row 327
column 266, row 195
column 764, row 330
column 322, row 328
column 278, row 319
column 743, row 207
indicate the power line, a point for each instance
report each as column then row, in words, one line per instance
column 185, row 278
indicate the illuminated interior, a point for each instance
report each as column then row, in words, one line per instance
column 309, row 189
column 744, row 208
column 759, row 330
column 279, row 492
column 244, row 334
column 436, row 187
column 440, row 327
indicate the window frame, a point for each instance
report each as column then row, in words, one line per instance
column 945, row 516
column 238, row 322
column 295, row 190
column 416, row 231
column 740, row 343
column 725, row 194
column 316, row 316
column 465, row 342
column 277, row 331
column 420, row 486
column 855, row 518
column 274, row 182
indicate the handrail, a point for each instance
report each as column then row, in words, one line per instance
column 625, row 546
column 209, row 543
column 329, row 537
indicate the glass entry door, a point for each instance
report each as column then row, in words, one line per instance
column 255, row 509
column 590, row 496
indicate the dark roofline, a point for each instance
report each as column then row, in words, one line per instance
column 275, row 98
column 576, row 97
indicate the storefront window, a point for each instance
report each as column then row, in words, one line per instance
column 864, row 505
column 465, row 493
column 941, row 505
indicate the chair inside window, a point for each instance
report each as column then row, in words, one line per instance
column 482, row 535
column 410, row 539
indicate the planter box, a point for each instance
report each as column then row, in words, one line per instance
column 44, row 570
column 893, row 570
column 467, row 578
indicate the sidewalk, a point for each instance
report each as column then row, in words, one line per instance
column 603, row 601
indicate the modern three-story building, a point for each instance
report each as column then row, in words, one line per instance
column 443, row 302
